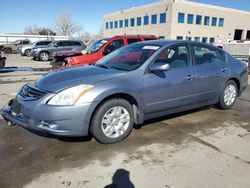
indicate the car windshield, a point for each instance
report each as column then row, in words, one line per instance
column 128, row 58
column 96, row 45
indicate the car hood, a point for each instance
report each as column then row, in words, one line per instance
column 69, row 77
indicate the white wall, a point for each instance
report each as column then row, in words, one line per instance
column 8, row 38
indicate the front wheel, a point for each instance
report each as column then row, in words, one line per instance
column 44, row 56
column 113, row 121
column 228, row 95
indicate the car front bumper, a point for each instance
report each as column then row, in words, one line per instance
column 35, row 54
column 55, row 120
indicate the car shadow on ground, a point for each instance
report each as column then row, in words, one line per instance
column 171, row 116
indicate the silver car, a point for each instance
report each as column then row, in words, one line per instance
column 132, row 84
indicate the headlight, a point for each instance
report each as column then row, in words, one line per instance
column 71, row 96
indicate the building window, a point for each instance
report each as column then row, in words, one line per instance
column 116, row 24
column 138, row 21
column 204, row 39
column 211, row 40
column 121, row 23
column 198, row 19
column 221, row 22
column 126, row 23
column 179, row 38
column 181, row 17
column 111, row 25
column 145, row 19
column 163, row 18
column 107, row 25
column 206, row 20
column 190, row 19
column 198, row 39
column 154, row 19
column 214, row 21
column 132, row 22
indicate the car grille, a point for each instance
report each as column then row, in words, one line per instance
column 30, row 93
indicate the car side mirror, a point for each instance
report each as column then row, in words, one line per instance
column 159, row 67
column 55, row 45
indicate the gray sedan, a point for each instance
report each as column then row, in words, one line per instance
column 134, row 83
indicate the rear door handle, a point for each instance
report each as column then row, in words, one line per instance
column 190, row 77
column 224, row 70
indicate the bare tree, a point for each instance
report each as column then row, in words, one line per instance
column 34, row 30
column 86, row 36
column 31, row 30
column 65, row 25
column 98, row 35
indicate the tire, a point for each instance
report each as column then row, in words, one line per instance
column 2, row 63
column 27, row 52
column 8, row 50
column 231, row 90
column 44, row 56
column 109, row 128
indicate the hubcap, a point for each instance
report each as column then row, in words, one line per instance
column 115, row 122
column 44, row 57
column 229, row 95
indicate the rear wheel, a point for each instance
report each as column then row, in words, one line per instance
column 228, row 95
column 113, row 121
column 27, row 52
column 2, row 63
column 44, row 56
column 8, row 50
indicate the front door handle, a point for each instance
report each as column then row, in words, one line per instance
column 190, row 77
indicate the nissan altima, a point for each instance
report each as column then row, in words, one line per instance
column 132, row 84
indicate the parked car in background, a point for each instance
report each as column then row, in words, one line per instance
column 59, row 57
column 45, row 53
column 132, row 84
column 103, row 47
column 26, row 49
column 14, row 46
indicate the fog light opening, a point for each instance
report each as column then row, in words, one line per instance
column 50, row 124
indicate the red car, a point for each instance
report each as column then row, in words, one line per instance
column 103, row 47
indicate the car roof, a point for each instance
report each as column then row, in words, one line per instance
column 173, row 42
column 129, row 36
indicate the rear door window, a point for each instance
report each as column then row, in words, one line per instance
column 76, row 43
column 132, row 40
column 206, row 55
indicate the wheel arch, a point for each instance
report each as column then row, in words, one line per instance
column 138, row 115
column 237, row 81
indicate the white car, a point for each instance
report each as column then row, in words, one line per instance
column 26, row 50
